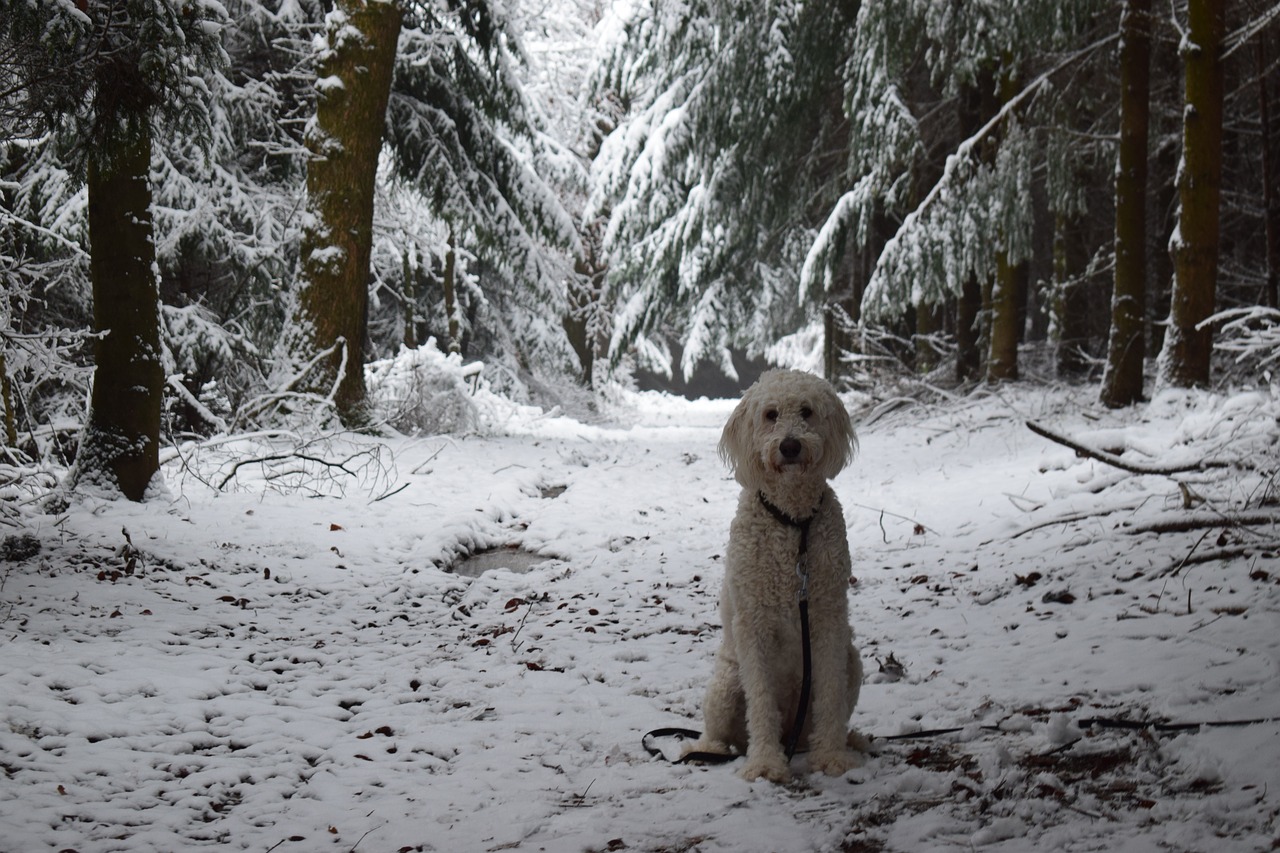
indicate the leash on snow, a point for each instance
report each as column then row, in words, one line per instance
column 806, row 684
column 925, row 734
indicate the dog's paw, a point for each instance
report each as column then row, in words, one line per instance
column 704, row 746
column 774, row 769
column 835, row 763
column 858, row 741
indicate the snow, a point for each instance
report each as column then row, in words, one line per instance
column 285, row 664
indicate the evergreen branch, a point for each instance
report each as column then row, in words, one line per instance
column 962, row 158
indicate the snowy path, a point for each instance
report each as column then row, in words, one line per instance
column 292, row 673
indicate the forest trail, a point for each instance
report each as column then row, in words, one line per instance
column 269, row 669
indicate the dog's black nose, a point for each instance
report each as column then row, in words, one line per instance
column 790, row 448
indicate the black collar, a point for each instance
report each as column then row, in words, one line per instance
column 782, row 517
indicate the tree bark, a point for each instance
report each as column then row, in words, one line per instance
column 1270, row 192
column 1002, row 359
column 121, row 442
column 333, row 300
column 968, row 331
column 1070, row 305
column 450, row 284
column 6, row 399
column 1122, row 378
column 1003, row 299
column 580, row 322
column 928, row 324
column 1184, row 361
column 410, row 297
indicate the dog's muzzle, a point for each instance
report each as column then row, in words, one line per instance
column 790, row 448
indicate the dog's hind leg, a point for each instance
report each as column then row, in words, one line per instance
column 855, row 739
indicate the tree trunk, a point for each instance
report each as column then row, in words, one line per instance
column 1270, row 192
column 1184, row 361
column 410, row 299
column 586, row 288
column 928, row 324
column 121, row 442
column 968, row 331
column 1002, row 359
column 333, row 300
column 6, row 399
column 1070, row 306
column 1122, row 379
column 450, row 285
column 1002, row 299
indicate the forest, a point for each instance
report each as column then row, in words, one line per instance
column 216, row 215
column 358, row 485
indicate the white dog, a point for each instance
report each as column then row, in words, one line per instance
column 788, row 436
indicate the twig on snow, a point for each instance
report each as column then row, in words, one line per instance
column 919, row 528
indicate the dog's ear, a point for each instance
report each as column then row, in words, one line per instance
column 842, row 440
column 735, row 440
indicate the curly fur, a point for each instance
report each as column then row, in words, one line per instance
column 787, row 437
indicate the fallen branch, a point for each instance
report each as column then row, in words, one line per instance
column 1185, row 524
column 1112, row 459
column 1230, row 552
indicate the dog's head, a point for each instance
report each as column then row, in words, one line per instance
column 790, row 424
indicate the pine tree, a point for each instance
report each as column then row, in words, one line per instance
column 103, row 78
column 713, row 182
column 354, row 75
column 976, row 220
column 1188, row 343
column 464, row 135
column 1122, row 380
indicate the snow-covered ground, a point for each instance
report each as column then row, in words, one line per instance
column 279, row 661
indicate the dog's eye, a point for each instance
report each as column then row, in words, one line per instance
column 771, row 415
column 806, row 413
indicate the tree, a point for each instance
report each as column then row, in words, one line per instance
column 227, row 209
column 121, row 440
column 1270, row 192
column 1188, row 342
column 972, row 231
column 732, row 152
column 463, row 132
column 354, row 75
column 1122, row 379
column 102, row 78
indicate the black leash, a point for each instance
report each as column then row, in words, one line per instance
column 806, row 679
column 1083, row 724
column 802, row 598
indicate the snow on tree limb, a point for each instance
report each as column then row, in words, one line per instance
column 903, row 268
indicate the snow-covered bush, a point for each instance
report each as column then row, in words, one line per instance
column 423, row 391
column 1251, row 337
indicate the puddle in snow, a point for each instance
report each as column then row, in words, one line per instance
column 506, row 559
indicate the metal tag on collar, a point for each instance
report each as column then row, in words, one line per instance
column 802, row 572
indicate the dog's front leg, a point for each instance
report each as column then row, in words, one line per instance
column 765, row 756
column 835, row 667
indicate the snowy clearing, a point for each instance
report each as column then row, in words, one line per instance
column 285, row 664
